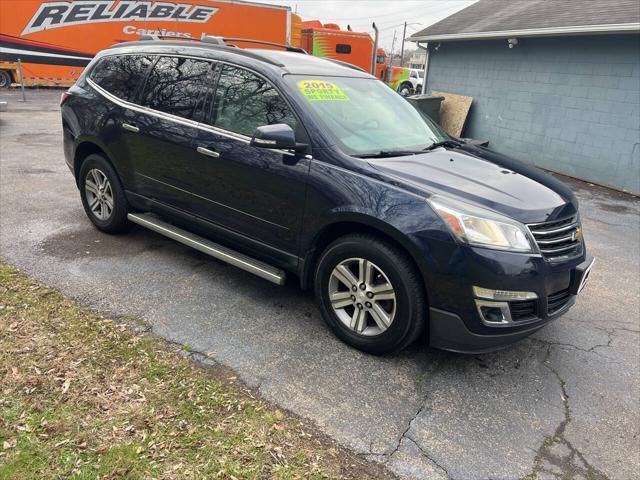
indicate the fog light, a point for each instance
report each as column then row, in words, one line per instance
column 493, row 313
column 504, row 295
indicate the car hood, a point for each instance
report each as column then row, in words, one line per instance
column 484, row 178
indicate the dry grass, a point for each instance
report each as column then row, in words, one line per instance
column 82, row 396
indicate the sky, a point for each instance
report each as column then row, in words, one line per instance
column 389, row 15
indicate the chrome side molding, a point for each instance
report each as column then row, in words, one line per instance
column 246, row 263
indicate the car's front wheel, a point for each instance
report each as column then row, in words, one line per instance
column 102, row 195
column 370, row 294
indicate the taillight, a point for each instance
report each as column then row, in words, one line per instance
column 64, row 97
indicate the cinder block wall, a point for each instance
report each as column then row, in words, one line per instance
column 571, row 104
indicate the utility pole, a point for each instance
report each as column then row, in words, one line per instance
column 393, row 47
column 404, row 34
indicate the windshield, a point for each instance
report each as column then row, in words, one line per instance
column 365, row 116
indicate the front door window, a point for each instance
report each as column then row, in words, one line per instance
column 245, row 101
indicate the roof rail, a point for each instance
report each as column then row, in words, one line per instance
column 348, row 65
column 148, row 36
column 288, row 48
column 222, row 41
column 211, row 39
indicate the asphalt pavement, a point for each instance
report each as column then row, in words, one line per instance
column 564, row 403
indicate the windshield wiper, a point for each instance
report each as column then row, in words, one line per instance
column 399, row 153
column 388, row 153
column 444, row 143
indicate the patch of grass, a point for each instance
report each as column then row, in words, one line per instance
column 83, row 396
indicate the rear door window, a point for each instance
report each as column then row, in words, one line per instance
column 178, row 86
column 122, row 75
column 245, row 101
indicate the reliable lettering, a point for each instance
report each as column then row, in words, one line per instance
column 61, row 14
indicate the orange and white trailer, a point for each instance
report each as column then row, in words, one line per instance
column 56, row 39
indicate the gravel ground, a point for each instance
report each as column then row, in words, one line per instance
column 561, row 404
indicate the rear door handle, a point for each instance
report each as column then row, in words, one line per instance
column 131, row 128
column 207, row 152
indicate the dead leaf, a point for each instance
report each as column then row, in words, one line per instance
column 65, row 385
column 7, row 444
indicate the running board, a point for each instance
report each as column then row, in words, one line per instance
column 203, row 245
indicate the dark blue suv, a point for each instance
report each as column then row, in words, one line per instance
column 277, row 161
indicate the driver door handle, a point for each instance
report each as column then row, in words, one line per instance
column 207, row 152
column 131, row 128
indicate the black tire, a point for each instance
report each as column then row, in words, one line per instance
column 116, row 221
column 410, row 306
column 5, row 79
column 405, row 90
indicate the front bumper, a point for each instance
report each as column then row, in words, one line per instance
column 447, row 331
column 450, row 330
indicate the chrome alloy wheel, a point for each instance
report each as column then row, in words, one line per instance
column 362, row 296
column 99, row 194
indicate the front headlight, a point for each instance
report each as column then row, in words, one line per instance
column 483, row 228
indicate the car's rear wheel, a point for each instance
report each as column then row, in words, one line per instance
column 370, row 294
column 102, row 195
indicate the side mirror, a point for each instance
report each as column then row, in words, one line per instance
column 279, row 136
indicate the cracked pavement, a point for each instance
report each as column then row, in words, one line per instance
column 561, row 404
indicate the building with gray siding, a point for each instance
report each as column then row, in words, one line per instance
column 568, row 101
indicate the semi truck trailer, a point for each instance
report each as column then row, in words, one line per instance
column 55, row 40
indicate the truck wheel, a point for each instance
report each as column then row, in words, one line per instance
column 405, row 89
column 102, row 195
column 370, row 294
column 5, row 79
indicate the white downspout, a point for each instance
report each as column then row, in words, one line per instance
column 425, row 47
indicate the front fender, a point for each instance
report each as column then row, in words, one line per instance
column 337, row 197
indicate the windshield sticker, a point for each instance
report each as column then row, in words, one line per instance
column 322, row 91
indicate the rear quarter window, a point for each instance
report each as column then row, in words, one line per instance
column 122, row 75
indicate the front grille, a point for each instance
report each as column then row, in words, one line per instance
column 523, row 310
column 558, row 239
column 556, row 301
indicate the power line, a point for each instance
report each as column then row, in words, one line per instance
column 388, row 18
column 368, row 17
column 395, row 12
